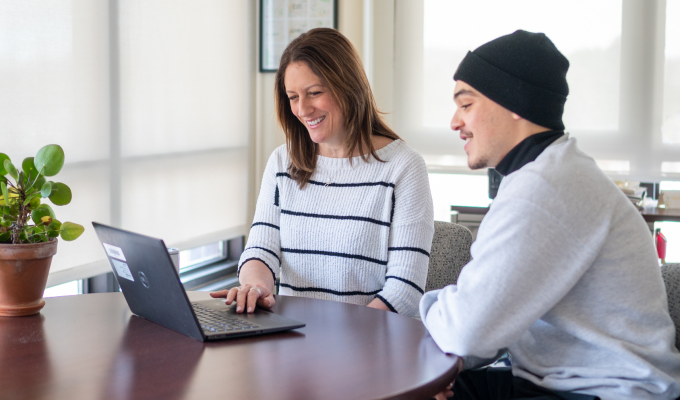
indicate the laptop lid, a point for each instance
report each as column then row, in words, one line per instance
column 148, row 279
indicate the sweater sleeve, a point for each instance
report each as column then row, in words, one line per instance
column 264, row 240
column 410, row 240
column 523, row 263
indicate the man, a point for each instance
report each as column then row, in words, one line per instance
column 564, row 275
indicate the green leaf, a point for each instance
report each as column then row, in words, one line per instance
column 52, row 234
column 30, row 198
column 49, row 160
column 54, row 226
column 47, row 206
column 71, row 231
column 3, row 157
column 46, row 189
column 39, row 182
column 29, row 168
column 5, row 193
column 4, row 237
column 61, row 194
column 43, row 237
column 42, row 211
column 11, row 169
column 35, row 201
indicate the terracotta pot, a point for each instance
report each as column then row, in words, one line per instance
column 23, row 276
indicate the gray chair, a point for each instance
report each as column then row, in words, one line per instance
column 450, row 252
column 671, row 277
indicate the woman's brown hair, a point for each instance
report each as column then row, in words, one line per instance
column 331, row 57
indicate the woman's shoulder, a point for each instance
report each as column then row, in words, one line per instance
column 279, row 158
column 403, row 154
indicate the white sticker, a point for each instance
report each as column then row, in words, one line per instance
column 122, row 269
column 115, row 252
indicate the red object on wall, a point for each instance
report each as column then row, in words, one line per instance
column 661, row 242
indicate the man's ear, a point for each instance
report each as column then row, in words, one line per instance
column 516, row 117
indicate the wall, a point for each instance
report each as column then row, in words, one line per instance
column 369, row 25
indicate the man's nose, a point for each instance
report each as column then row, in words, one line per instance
column 456, row 122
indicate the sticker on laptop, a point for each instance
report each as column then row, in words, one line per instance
column 122, row 269
column 115, row 252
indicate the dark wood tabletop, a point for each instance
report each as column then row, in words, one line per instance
column 91, row 347
column 655, row 214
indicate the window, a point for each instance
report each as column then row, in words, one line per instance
column 624, row 102
column 670, row 125
column 151, row 104
column 65, row 289
column 457, row 190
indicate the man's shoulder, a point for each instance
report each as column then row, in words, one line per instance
column 569, row 187
column 562, row 170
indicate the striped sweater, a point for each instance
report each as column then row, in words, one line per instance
column 356, row 231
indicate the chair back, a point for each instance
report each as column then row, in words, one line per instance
column 450, row 252
column 671, row 278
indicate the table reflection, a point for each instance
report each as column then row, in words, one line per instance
column 152, row 361
column 23, row 338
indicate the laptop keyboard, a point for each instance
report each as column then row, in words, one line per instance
column 215, row 321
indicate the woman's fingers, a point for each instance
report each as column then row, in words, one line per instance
column 232, row 295
column 247, row 297
column 219, row 294
column 242, row 298
column 266, row 301
column 252, row 296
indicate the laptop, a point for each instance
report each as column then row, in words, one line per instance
column 153, row 291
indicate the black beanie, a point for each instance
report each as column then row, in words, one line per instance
column 523, row 72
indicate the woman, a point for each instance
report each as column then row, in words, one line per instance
column 344, row 211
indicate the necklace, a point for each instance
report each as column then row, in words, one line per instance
column 330, row 179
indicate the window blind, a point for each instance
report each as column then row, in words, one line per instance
column 150, row 101
column 623, row 107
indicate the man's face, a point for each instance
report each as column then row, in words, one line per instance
column 485, row 125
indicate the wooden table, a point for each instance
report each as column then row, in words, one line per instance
column 91, row 347
column 654, row 214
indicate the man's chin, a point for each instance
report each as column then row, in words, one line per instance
column 479, row 164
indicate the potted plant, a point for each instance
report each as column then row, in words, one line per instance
column 29, row 228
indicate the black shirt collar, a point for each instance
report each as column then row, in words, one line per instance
column 527, row 151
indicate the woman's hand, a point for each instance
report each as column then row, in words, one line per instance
column 247, row 297
column 256, row 288
column 377, row 303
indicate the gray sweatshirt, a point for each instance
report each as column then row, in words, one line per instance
column 565, row 276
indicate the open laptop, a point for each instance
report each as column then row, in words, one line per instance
column 153, row 291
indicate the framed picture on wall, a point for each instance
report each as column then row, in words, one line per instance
column 281, row 21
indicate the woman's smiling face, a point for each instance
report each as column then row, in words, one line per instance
column 312, row 102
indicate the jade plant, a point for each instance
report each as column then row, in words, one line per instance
column 22, row 192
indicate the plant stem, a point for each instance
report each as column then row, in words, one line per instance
column 18, row 226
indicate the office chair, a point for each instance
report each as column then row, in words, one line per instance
column 671, row 278
column 450, row 252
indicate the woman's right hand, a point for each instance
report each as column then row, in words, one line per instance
column 247, row 297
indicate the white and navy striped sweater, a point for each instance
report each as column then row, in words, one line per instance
column 366, row 234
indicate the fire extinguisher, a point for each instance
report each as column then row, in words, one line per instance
column 661, row 242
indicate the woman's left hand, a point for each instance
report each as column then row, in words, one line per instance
column 377, row 303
